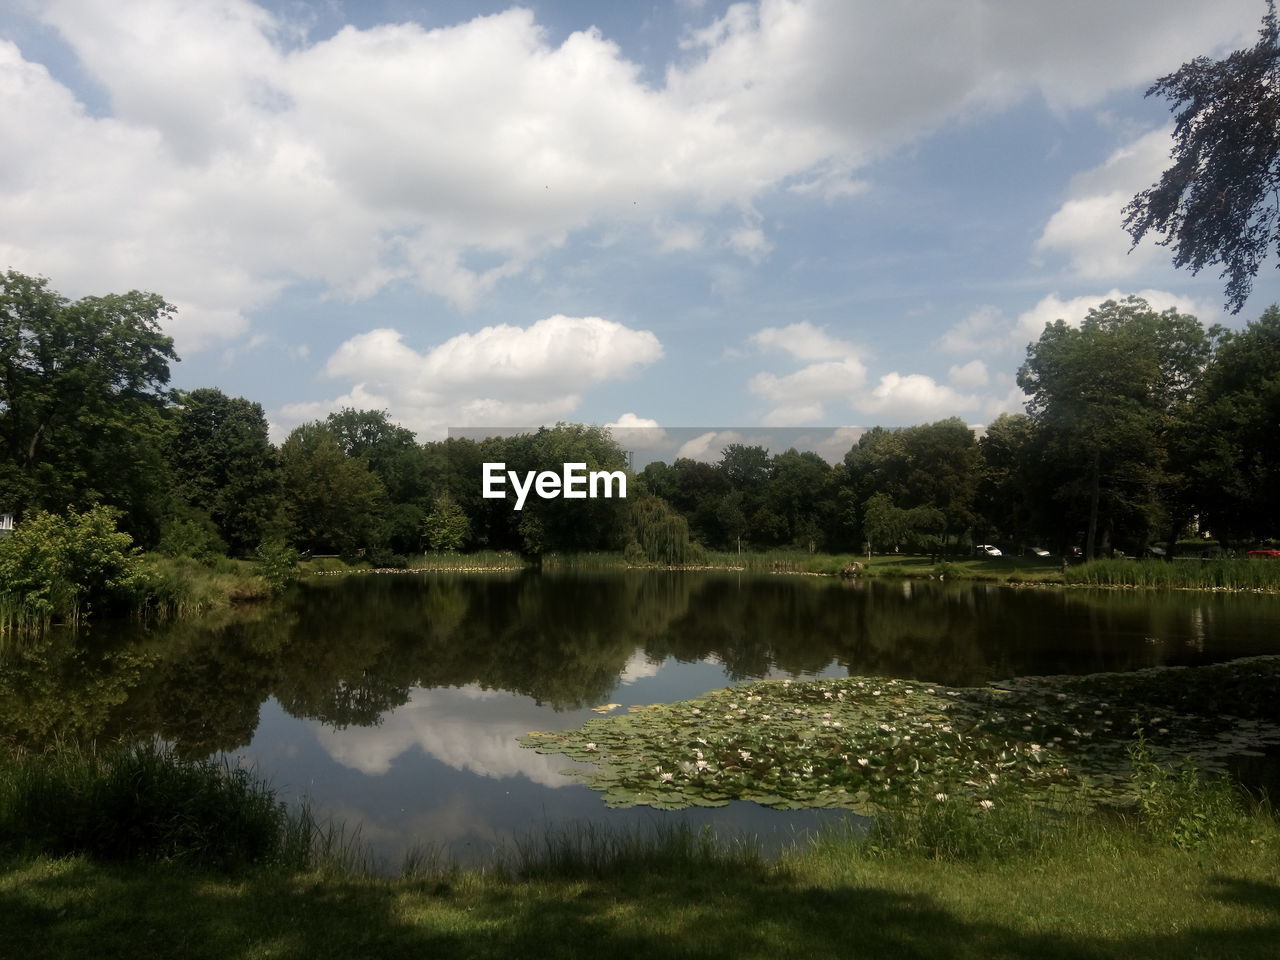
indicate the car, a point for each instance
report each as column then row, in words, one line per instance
column 1274, row 554
column 1154, row 551
column 988, row 550
column 1038, row 552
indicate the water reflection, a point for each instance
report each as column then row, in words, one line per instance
column 395, row 701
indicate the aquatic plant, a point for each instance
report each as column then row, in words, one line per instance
column 872, row 744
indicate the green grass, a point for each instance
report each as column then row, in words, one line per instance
column 182, row 587
column 1098, row 891
column 1013, row 882
column 1219, row 574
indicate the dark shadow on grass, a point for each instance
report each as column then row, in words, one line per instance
column 81, row 909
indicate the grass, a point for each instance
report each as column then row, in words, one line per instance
column 1014, row 882
column 1086, row 889
column 178, row 587
column 1218, row 574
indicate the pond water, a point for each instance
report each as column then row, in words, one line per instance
column 393, row 702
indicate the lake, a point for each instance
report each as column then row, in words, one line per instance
column 393, row 702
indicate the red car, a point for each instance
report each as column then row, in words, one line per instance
column 1274, row 554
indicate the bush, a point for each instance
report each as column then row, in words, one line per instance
column 58, row 568
column 277, row 564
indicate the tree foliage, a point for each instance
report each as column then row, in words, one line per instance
column 224, row 465
column 1104, row 396
column 1219, row 203
column 83, row 391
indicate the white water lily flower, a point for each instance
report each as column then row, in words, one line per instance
column 591, row 746
column 701, row 764
column 863, row 761
column 940, row 797
column 696, row 711
column 668, row 777
column 986, row 804
column 745, row 754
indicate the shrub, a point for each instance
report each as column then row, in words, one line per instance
column 55, row 567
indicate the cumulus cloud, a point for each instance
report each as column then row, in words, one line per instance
column 989, row 331
column 913, row 398
column 1087, row 228
column 970, row 375
column 801, row 396
column 497, row 376
column 237, row 156
column 637, row 433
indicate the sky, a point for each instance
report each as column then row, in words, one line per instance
column 819, row 214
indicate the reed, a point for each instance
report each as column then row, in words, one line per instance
column 141, row 803
column 1217, row 574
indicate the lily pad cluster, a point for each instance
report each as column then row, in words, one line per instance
column 869, row 744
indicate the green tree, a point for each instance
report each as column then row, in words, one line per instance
column 333, row 503
column 1106, row 396
column 1219, row 203
column 1010, row 486
column 224, row 464
column 446, row 526
column 392, row 454
column 1235, row 438
column 83, row 390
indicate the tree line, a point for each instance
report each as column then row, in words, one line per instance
column 1138, row 425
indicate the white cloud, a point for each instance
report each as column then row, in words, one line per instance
column 637, row 433
column 970, row 375
column 800, row 397
column 804, row 341
column 1087, row 228
column 984, row 330
column 239, row 158
column 1030, row 323
column 707, row 447
column 833, row 447
column 988, row 331
column 498, row 376
column 913, row 398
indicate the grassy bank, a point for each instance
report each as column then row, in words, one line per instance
column 1211, row 574
column 1086, row 889
column 136, row 852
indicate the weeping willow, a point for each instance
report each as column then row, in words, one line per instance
column 659, row 535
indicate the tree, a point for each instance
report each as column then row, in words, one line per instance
column 1105, row 396
column 446, row 526
column 332, row 501
column 392, row 454
column 1235, row 444
column 224, row 464
column 83, row 392
column 1220, row 201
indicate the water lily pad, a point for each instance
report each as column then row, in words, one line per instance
column 867, row 743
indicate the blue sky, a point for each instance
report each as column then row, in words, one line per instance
column 790, row 213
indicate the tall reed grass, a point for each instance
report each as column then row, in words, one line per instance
column 1224, row 573
column 144, row 803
